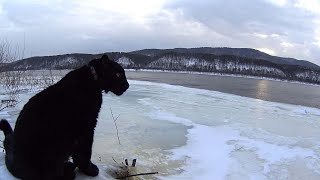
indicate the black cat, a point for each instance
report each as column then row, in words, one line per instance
column 59, row 123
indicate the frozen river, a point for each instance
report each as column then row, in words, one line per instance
column 187, row 133
column 254, row 87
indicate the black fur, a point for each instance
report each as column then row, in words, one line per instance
column 59, row 122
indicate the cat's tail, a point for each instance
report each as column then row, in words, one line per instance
column 9, row 147
column 5, row 127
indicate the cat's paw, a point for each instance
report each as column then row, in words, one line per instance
column 91, row 170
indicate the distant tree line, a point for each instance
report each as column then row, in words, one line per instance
column 173, row 61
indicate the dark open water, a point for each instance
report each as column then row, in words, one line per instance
column 275, row 91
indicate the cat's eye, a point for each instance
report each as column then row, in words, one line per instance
column 118, row 75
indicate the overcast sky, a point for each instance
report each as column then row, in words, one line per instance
column 289, row 28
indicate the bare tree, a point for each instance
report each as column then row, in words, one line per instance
column 48, row 78
column 11, row 80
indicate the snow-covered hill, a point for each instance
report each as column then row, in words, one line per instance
column 198, row 62
column 239, row 52
column 215, row 65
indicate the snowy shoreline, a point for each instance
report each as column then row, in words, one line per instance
column 222, row 75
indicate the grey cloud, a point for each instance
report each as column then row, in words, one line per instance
column 27, row 13
column 247, row 16
column 59, row 27
column 240, row 19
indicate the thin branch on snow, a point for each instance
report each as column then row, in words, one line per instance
column 114, row 160
column 10, row 105
column 114, row 120
column 117, row 117
column 140, row 174
column 4, row 107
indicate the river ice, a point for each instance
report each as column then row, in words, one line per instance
column 186, row 133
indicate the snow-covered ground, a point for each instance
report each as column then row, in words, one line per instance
column 186, row 133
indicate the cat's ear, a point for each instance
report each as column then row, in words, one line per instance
column 104, row 59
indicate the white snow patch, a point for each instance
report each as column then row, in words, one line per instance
column 125, row 61
column 66, row 61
